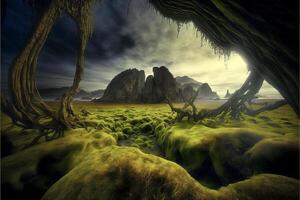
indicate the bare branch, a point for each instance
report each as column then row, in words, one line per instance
column 268, row 107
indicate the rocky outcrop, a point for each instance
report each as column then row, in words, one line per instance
column 125, row 87
column 184, row 81
column 130, row 86
column 147, row 96
column 160, row 86
column 227, row 94
column 188, row 83
column 206, row 92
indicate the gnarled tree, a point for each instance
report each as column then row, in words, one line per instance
column 264, row 32
column 27, row 106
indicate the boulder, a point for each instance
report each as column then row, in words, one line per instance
column 125, row 87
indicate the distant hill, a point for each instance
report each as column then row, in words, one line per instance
column 55, row 93
column 205, row 90
column 97, row 93
column 185, row 80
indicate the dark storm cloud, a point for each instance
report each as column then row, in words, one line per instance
column 122, row 38
column 58, row 57
column 109, row 38
column 14, row 32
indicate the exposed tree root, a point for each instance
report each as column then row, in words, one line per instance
column 267, row 107
column 235, row 106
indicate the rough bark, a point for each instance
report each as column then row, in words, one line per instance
column 24, row 94
column 66, row 113
column 235, row 104
column 27, row 107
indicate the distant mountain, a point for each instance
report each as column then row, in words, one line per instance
column 205, row 90
column 97, row 93
column 186, row 80
column 55, row 93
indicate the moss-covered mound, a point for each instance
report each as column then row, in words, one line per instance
column 29, row 173
column 87, row 163
column 127, row 173
column 279, row 155
column 266, row 186
column 219, row 156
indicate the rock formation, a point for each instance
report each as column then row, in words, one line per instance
column 130, row 86
column 147, row 96
column 227, row 94
column 206, row 92
column 125, row 87
column 160, row 86
column 184, row 81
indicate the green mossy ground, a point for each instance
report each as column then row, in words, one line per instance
column 117, row 156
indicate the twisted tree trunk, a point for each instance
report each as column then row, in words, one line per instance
column 27, row 107
column 24, row 93
column 267, row 107
column 66, row 113
column 235, row 105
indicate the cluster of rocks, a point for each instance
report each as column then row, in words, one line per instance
column 130, row 86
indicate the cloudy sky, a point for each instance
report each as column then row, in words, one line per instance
column 125, row 36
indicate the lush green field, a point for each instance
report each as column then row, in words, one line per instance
column 112, row 155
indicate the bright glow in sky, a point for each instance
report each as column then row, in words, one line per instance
column 140, row 38
column 158, row 43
